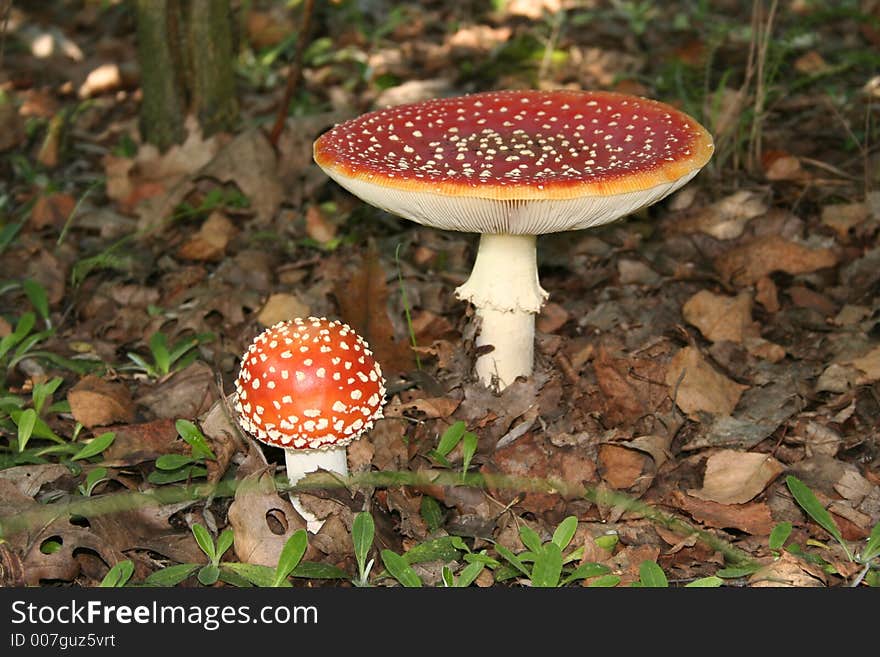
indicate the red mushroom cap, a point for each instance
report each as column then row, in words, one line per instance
column 517, row 145
column 309, row 383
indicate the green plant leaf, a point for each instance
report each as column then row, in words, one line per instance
column 172, row 575
column 450, row 438
column 195, row 438
column 652, row 575
column 118, row 575
column 313, row 570
column 93, row 478
column 779, row 535
column 547, row 567
column 809, row 503
column 173, row 461
column 530, row 539
column 469, row 444
column 705, row 583
column 469, row 573
column 209, row 574
column 400, row 570
column 203, row 538
column 224, row 542
column 565, row 532
column 431, row 512
column 872, row 546
column 362, row 532
column 160, row 477
column 42, row 392
column 605, row 581
column 36, row 294
column 436, row 549
column 26, row 422
column 513, row 559
column 95, row 446
column 586, row 570
column 159, row 349
column 291, row 554
column 607, row 541
column 256, row 574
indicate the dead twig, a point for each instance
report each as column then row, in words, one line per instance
column 294, row 74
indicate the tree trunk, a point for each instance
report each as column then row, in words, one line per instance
column 185, row 52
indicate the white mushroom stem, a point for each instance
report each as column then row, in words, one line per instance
column 507, row 295
column 301, row 462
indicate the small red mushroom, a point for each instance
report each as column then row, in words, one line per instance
column 512, row 165
column 309, row 386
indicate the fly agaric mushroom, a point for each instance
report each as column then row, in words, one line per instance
column 512, row 165
column 309, row 386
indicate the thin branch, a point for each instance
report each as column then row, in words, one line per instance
column 116, row 502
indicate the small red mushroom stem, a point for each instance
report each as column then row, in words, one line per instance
column 505, row 290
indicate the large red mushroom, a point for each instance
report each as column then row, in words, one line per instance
column 512, row 165
column 309, row 386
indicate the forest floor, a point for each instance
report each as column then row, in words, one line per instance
column 706, row 395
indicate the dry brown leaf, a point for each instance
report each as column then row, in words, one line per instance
column 210, row 242
column 186, row 393
column 12, row 131
column 266, row 29
column 431, row 407
column 318, row 226
column 551, row 318
column 631, row 386
column 697, row 386
column 29, row 479
column 95, row 402
column 281, row 307
column 622, row 467
column 52, row 210
column 767, row 294
column 811, row 63
column 136, row 443
column 262, row 520
column 720, row 317
column 788, row 570
column 843, row 217
column 868, row 364
column 746, row 264
column 363, row 304
column 725, row 219
column 734, row 477
column 525, row 457
column 249, row 161
column 753, row 518
column 779, row 165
